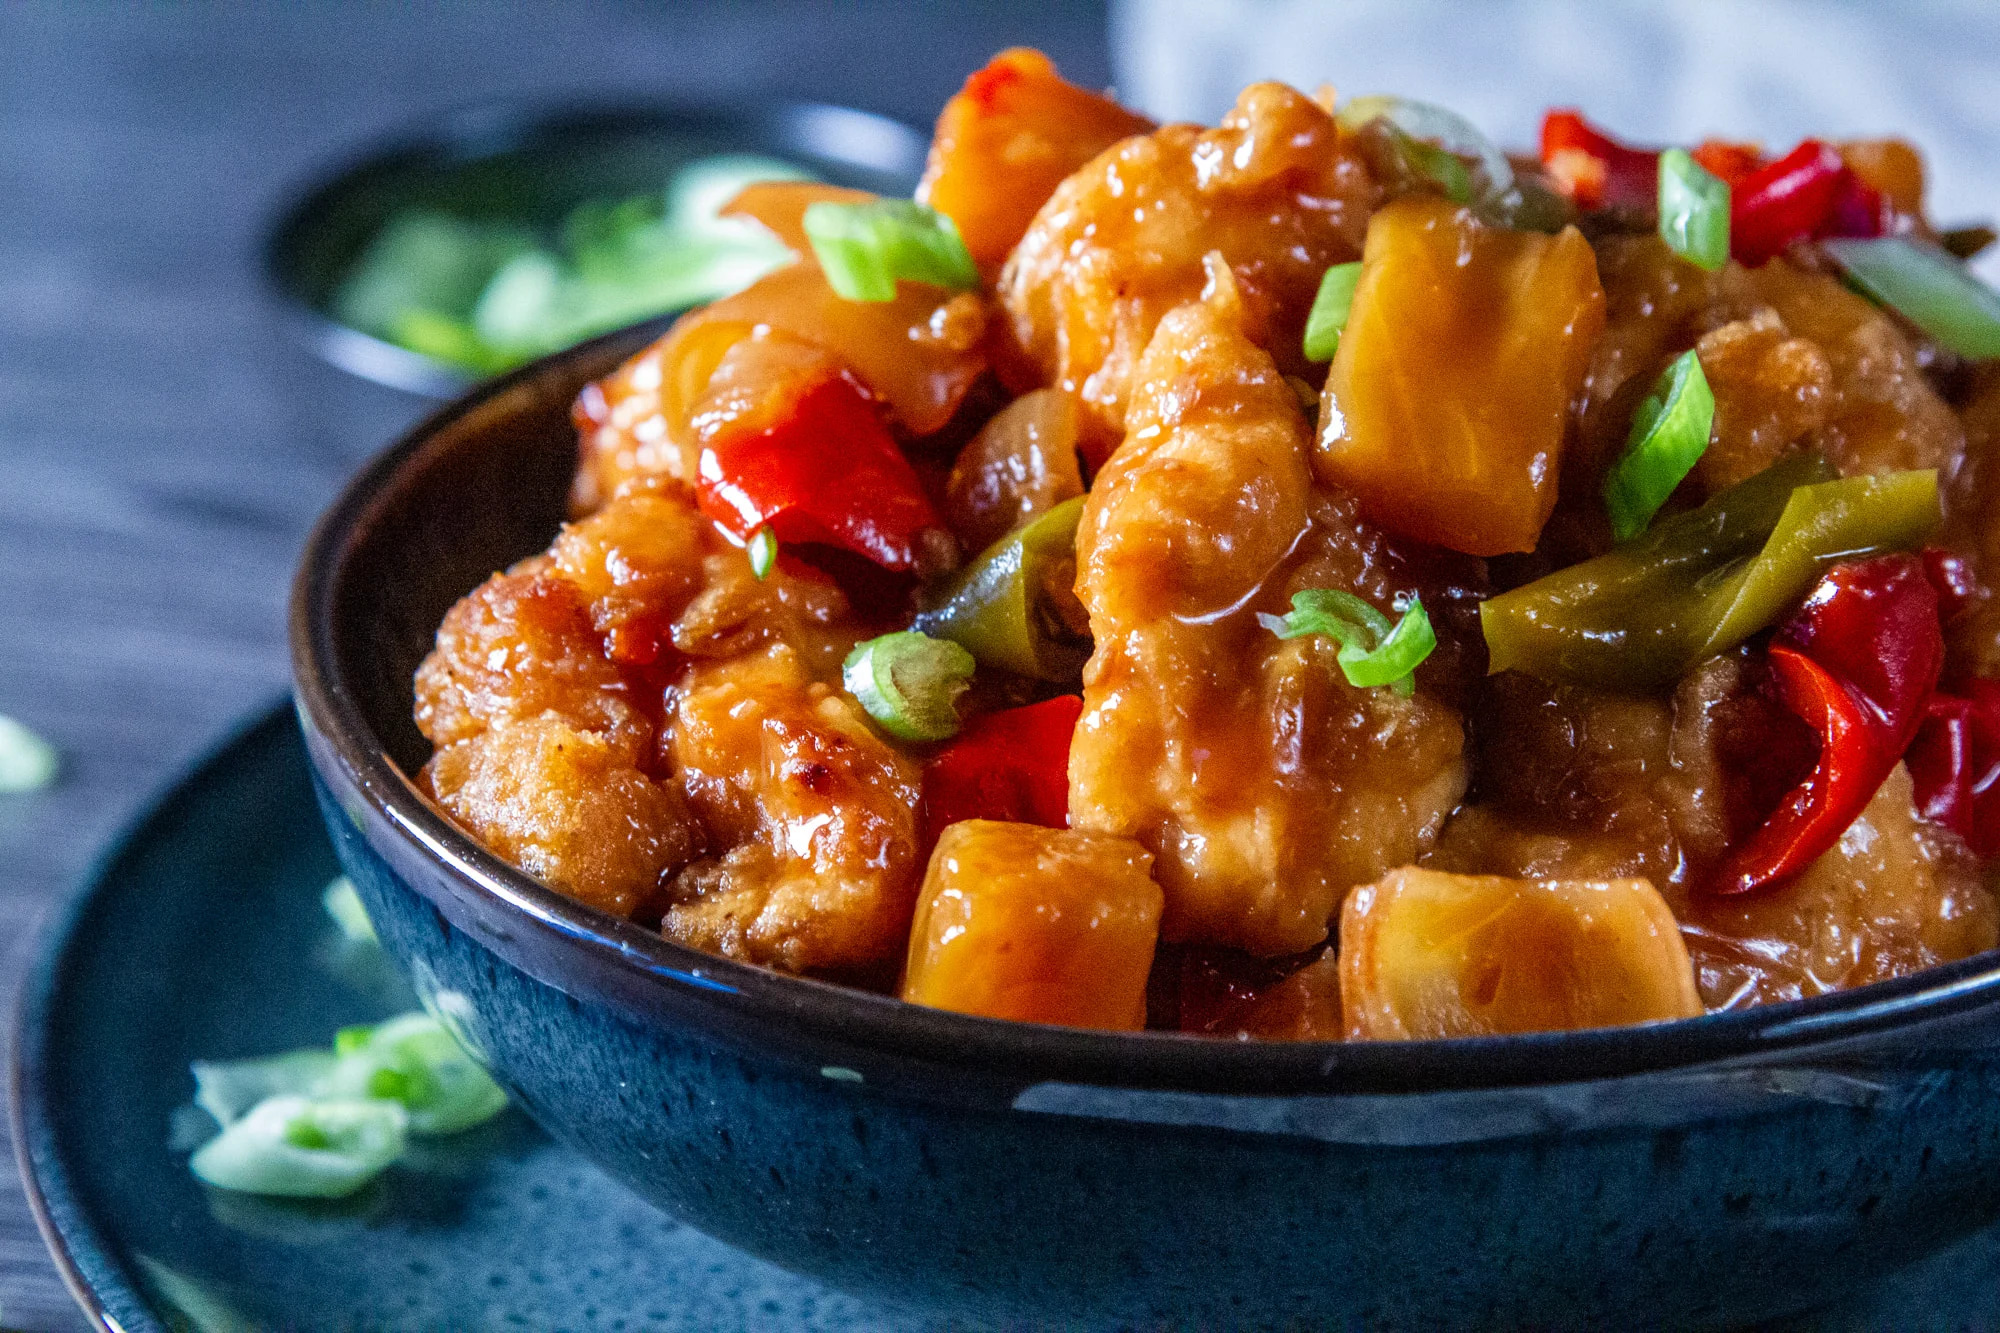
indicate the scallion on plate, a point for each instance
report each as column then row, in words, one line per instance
column 303, row 1147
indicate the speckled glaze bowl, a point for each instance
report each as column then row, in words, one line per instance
column 1709, row 1172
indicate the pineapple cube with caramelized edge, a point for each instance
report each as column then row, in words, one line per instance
column 1426, row 954
column 1445, row 407
column 1035, row 924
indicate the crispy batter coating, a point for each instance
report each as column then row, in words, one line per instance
column 1894, row 895
column 1277, row 189
column 1795, row 359
column 540, row 747
column 1262, row 782
column 542, row 699
column 1972, row 508
column 815, row 814
column 1580, row 784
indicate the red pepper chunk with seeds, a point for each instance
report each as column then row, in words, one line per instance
column 1859, row 664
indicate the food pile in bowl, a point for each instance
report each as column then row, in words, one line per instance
column 1317, row 577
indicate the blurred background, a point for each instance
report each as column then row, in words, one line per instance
column 165, row 440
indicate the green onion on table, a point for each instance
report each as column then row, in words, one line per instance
column 487, row 295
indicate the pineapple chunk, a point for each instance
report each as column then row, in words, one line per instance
column 1035, row 924
column 1445, row 407
column 1427, row 954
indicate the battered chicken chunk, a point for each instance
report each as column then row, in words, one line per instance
column 1264, row 785
column 540, row 748
column 816, row 817
column 1277, row 189
column 542, row 695
column 1580, row 784
column 1795, row 359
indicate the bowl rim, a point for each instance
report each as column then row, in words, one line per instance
column 483, row 131
column 1150, row 1061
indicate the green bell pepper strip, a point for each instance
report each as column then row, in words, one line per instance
column 1015, row 607
column 1700, row 583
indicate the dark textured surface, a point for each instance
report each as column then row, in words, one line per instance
column 163, row 453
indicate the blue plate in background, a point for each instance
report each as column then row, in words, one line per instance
column 202, row 936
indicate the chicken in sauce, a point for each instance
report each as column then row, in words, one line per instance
column 1310, row 578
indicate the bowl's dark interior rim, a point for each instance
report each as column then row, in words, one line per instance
column 1151, row 1060
column 826, row 131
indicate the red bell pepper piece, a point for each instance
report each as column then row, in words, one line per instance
column 1788, row 200
column 1955, row 765
column 1012, row 765
column 828, row 471
column 1596, row 170
column 1858, row 664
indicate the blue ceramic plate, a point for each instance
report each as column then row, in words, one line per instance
column 202, row 936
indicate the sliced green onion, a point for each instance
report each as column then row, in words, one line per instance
column 27, row 762
column 415, row 1061
column 1669, row 436
column 1329, row 311
column 762, row 548
column 301, row 1147
column 227, row 1088
column 909, row 683
column 865, row 248
column 1927, row 287
column 343, row 904
column 1372, row 651
column 1694, row 210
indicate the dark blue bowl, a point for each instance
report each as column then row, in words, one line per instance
column 1713, row 1171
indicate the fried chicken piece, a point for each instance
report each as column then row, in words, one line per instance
column 1795, row 359
column 1278, row 189
column 1972, row 527
column 1262, row 782
column 542, row 696
column 540, row 748
column 818, row 814
column 1895, row 895
column 1581, row 784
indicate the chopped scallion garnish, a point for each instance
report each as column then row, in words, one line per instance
column 414, row 1060
column 1927, row 287
column 302, row 1147
column 1694, row 210
column 909, row 683
column 27, row 762
column 762, row 548
column 1372, row 651
column 865, row 248
column 228, row 1088
column 1329, row 311
column 343, row 904
column 1669, row 436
